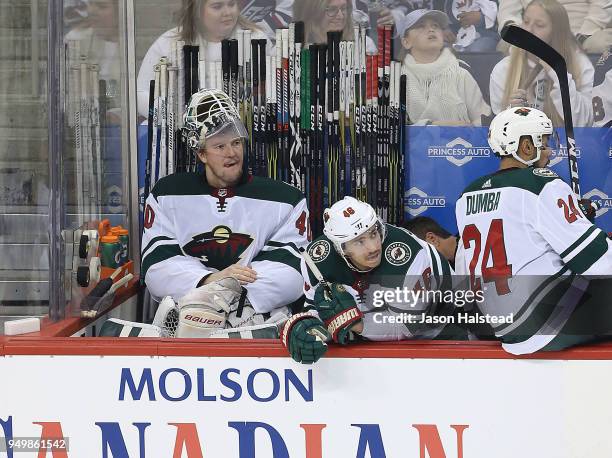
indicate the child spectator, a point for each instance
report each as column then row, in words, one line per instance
column 440, row 91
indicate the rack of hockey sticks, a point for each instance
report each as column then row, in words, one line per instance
column 327, row 118
column 86, row 102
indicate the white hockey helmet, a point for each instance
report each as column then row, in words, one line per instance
column 211, row 112
column 510, row 125
column 346, row 220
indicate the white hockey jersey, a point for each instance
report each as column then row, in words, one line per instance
column 525, row 239
column 192, row 229
column 409, row 265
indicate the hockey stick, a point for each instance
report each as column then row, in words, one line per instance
column 172, row 91
column 316, row 272
column 163, row 117
column 147, row 183
column 96, row 132
column 523, row 39
column 154, row 166
column 233, row 54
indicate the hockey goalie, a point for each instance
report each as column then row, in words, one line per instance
column 223, row 244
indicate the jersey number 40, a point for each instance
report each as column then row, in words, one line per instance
column 494, row 252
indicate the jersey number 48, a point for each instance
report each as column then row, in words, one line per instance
column 494, row 251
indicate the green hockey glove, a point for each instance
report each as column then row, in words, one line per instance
column 305, row 337
column 338, row 311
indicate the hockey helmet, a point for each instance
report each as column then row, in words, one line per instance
column 346, row 220
column 510, row 125
column 211, row 112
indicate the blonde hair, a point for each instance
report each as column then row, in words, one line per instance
column 189, row 15
column 562, row 40
column 312, row 13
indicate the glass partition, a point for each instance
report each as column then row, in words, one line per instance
column 24, row 171
column 95, row 152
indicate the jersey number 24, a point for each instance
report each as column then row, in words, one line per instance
column 494, row 251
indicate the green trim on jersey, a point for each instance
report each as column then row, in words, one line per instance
column 267, row 189
column 541, row 312
column 582, row 238
column 590, row 254
column 260, row 188
column 279, row 255
column 159, row 254
column 152, row 242
column 526, row 179
column 275, row 244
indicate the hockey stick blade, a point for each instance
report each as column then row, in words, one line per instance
column 523, row 39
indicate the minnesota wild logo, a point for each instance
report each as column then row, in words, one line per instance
column 398, row 253
column 218, row 248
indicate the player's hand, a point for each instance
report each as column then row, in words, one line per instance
column 469, row 18
column 338, row 311
column 449, row 36
column 588, row 208
column 518, row 98
column 243, row 274
column 385, row 17
column 305, row 337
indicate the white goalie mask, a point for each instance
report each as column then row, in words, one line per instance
column 211, row 112
column 346, row 220
column 510, row 125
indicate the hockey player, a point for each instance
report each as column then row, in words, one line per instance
column 528, row 244
column 201, row 228
column 361, row 259
column 429, row 230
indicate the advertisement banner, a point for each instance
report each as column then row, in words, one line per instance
column 442, row 161
column 128, row 406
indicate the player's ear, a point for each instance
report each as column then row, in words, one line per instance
column 526, row 146
column 202, row 155
column 432, row 239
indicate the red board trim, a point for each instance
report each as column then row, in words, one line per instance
column 273, row 348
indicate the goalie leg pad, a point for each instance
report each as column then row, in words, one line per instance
column 205, row 309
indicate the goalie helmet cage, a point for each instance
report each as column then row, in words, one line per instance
column 326, row 118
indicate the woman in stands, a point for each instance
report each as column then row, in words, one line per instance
column 322, row 16
column 200, row 22
column 521, row 80
column 440, row 90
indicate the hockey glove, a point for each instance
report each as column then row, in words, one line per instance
column 305, row 337
column 588, row 208
column 338, row 311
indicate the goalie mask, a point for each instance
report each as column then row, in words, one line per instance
column 510, row 125
column 348, row 219
column 211, row 112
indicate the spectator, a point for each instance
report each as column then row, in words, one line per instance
column 322, row 16
column 519, row 80
column 589, row 20
column 474, row 23
column 200, row 22
column 440, row 90
column 602, row 91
